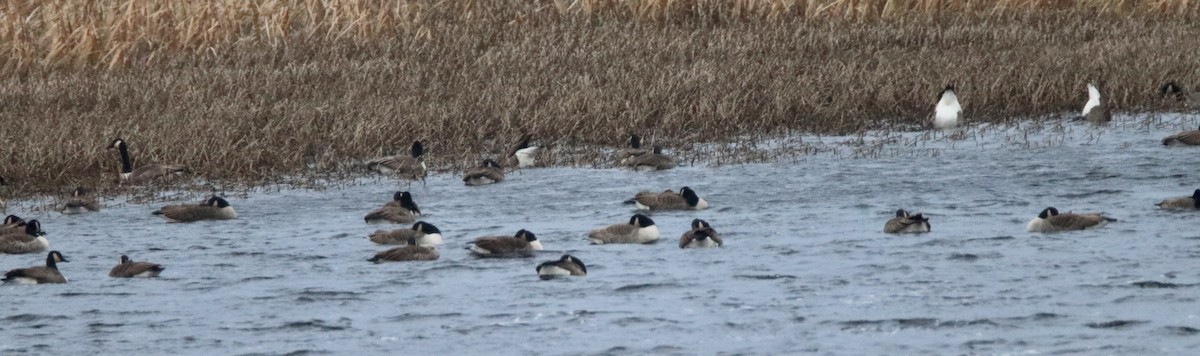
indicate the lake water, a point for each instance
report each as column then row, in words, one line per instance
column 805, row 268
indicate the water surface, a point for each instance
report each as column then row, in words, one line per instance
column 805, row 267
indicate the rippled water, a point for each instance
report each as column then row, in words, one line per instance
column 805, row 267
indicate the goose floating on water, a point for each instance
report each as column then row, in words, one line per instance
column 1050, row 220
column 686, row 199
column 566, row 265
column 47, row 274
column 701, row 235
column 127, row 268
column 1190, row 203
column 639, row 230
column 905, row 222
column 215, row 208
column 401, row 210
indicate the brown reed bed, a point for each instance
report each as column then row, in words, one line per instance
column 248, row 92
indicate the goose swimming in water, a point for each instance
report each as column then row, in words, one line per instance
column 566, row 265
column 1190, row 203
column 904, row 222
column 48, row 274
column 1050, row 220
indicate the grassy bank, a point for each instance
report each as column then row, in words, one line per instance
column 245, row 93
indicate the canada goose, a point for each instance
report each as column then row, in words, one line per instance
column 1094, row 110
column 523, row 244
column 425, row 233
column 1173, row 91
column 948, row 112
column 39, row 275
column 488, row 172
column 1050, row 220
column 401, row 210
column 412, row 252
column 81, row 201
column 1192, row 202
column 1186, row 138
column 653, row 161
column 215, row 208
column 521, row 154
column 686, row 199
column 701, row 235
column 33, row 239
column 567, row 265
column 12, row 224
column 144, row 173
column 129, row 269
column 410, row 166
column 906, row 223
column 635, row 149
column 639, row 230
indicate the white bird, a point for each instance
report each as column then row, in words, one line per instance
column 948, row 112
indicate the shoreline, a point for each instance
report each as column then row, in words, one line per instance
column 251, row 110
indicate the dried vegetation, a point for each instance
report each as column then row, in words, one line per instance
column 245, row 92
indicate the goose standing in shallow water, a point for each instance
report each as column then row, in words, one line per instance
column 639, row 230
column 411, row 166
column 523, row 244
column 401, row 210
column 215, row 208
column 701, row 235
column 144, row 173
column 948, row 112
column 425, row 233
column 653, row 161
column 39, row 275
column 412, row 252
column 129, row 269
column 566, row 265
column 33, row 239
column 904, row 222
column 1186, row 138
column 81, row 201
column 1192, row 202
column 686, row 199
column 1095, row 111
column 521, row 154
column 1050, row 220
column 488, row 172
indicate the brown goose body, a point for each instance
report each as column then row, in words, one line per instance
column 411, row 166
column 634, row 150
column 566, row 265
column 686, row 199
column 906, row 223
column 523, row 244
column 1186, row 138
column 640, row 229
column 401, row 210
column 129, row 269
column 1190, row 203
column 653, row 161
column 1050, row 220
column 488, row 172
column 146, row 173
column 406, row 253
column 701, row 235
column 47, row 274
column 215, row 208
column 423, row 233
column 81, row 201
column 31, row 239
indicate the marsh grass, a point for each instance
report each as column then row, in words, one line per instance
column 248, row 93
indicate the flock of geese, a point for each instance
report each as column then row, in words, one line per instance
column 419, row 241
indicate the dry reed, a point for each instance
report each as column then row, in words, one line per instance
column 245, row 92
